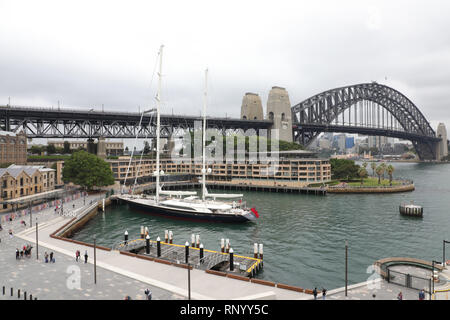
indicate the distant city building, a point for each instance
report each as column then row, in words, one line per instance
column 349, row 142
column 13, row 148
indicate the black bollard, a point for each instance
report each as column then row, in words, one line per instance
column 231, row 259
column 147, row 244
column 31, row 297
column 4, row 290
column 25, row 295
column 12, row 292
column 126, row 237
column 201, row 253
column 158, row 247
column 187, row 251
column 18, row 293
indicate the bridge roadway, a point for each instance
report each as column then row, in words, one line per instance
column 75, row 123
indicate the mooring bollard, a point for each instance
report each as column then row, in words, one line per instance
column 227, row 245
column 142, row 232
column 201, row 253
column 25, row 295
column 186, row 245
column 231, row 259
column 126, row 237
column 222, row 245
column 12, row 292
column 166, row 236
column 261, row 251
column 147, row 244
column 193, row 240
column 255, row 251
column 18, row 293
column 158, row 247
column 170, row 236
column 197, row 241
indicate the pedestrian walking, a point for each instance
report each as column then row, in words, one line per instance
column 17, row 254
column 324, row 293
column 51, row 257
column 77, row 255
column 46, row 257
column 85, row 256
column 400, row 296
column 315, row 293
column 148, row 294
column 421, row 295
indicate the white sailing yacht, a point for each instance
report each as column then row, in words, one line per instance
column 186, row 204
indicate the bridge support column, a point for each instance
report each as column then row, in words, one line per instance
column 91, row 146
column 101, row 147
column 441, row 146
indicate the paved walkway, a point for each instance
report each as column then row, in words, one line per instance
column 66, row 278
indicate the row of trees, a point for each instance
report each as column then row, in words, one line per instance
column 378, row 170
column 347, row 169
column 51, row 149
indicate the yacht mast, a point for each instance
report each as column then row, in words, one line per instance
column 204, row 136
column 158, row 122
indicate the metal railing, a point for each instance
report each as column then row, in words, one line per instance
column 409, row 281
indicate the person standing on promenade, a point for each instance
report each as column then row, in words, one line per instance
column 400, row 296
column 315, row 293
column 17, row 254
column 77, row 255
column 51, row 257
column 148, row 294
column 421, row 295
column 46, row 257
column 324, row 293
column 85, row 256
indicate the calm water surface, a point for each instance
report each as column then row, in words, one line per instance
column 304, row 235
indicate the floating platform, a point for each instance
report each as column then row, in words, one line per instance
column 212, row 260
column 411, row 210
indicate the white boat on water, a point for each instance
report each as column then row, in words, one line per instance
column 186, row 204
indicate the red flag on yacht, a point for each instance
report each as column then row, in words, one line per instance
column 255, row 212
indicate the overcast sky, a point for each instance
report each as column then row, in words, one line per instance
column 88, row 53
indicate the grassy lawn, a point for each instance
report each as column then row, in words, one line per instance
column 373, row 182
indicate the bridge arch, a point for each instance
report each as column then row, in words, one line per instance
column 364, row 104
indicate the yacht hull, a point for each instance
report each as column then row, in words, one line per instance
column 185, row 214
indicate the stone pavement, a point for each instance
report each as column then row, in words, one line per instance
column 59, row 280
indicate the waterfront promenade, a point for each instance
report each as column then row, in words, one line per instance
column 117, row 275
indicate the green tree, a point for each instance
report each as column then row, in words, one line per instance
column 66, row 149
column 50, row 149
column 87, row 170
column 373, row 165
column 344, row 169
column 379, row 171
column 362, row 173
column 146, row 147
column 390, row 171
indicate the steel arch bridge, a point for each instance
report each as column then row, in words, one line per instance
column 369, row 108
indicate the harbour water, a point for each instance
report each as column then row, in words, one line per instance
column 304, row 235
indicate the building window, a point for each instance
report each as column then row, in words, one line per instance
column 271, row 115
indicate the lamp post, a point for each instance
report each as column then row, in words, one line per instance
column 432, row 277
column 443, row 251
column 346, row 266
column 37, row 246
column 95, row 260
